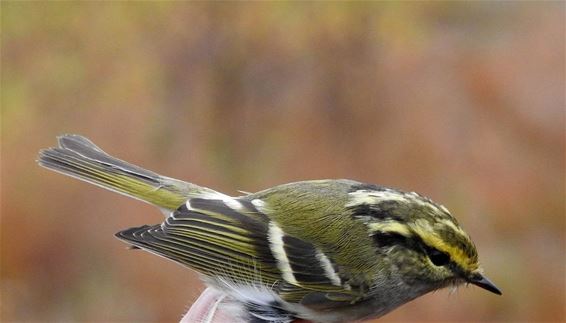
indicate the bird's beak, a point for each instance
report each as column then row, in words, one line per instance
column 481, row 281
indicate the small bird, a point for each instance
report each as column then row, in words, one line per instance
column 319, row 250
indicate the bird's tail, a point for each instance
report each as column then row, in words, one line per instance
column 78, row 157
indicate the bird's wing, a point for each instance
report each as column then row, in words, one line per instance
column 230, row 238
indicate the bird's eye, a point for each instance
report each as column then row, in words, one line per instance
column 437, row 257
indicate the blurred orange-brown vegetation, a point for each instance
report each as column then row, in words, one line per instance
column 460, row 101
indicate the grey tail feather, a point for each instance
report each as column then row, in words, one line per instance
column 78, row 157
column 76, row 148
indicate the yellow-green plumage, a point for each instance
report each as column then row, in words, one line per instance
column 326, row 250
column 302, row 210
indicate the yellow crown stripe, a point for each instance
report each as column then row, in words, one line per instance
column 424, row 230
column 456, row 254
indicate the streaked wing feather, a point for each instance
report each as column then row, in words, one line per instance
column 215, row 239
column 210, row 240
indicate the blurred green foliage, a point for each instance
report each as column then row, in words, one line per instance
column 461, row 101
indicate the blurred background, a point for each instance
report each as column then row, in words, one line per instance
column 460, row 101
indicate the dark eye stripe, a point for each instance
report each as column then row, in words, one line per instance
column 390, row 239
